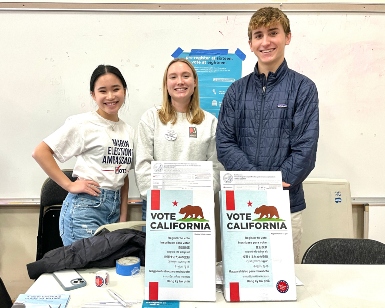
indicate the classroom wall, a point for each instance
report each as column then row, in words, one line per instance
column 48, row 57
column 18, row 231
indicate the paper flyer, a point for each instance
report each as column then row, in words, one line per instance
column 41, row 300
column 217, row 69
column 257, row 246
column 182, row 175
column 180, row 227
column 251, row 180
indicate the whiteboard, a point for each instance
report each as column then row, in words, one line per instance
column 47, row 58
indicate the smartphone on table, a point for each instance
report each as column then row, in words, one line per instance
column 69, row 279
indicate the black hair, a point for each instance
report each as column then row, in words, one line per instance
column 105, row 69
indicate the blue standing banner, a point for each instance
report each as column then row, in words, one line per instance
column 217, row 69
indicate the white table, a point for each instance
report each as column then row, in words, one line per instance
column 324, row 286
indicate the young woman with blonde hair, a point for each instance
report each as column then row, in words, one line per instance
column 178, row 130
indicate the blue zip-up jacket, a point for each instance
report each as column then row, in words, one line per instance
column 271, row 125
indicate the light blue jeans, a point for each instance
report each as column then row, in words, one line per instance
column 82, row 214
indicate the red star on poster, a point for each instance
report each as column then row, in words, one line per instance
column 175, row 203
column 249, row 203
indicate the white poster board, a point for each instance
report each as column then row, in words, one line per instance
column 257, row 246
column 180, row 246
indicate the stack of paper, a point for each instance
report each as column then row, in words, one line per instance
column 34, row 301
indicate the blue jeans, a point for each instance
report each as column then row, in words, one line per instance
column 144, row 212
column 82, row 214
column 144, row 209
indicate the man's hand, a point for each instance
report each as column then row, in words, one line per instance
column 285, row 185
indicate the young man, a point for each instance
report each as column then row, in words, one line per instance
column 269, row 119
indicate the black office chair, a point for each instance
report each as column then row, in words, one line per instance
column 51, row 200
column 345, row 251
column 5, row 299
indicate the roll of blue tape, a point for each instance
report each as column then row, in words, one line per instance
column 128, row 266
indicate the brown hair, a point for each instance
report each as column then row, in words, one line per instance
column 266, row 17
column 167, row 112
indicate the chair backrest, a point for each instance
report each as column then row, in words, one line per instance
column 51, row 193
column 51, row 199
column 345, row 251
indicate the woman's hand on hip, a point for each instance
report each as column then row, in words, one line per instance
column 84, row 186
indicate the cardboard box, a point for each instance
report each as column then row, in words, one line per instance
column 257, row 246
column 180, row 245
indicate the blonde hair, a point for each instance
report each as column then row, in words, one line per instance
column 266, row 17
column 167, row 113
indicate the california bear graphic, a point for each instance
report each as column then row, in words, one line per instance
column 266, row 211
column 191, row 211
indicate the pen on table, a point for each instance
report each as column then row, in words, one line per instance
column 117, row 297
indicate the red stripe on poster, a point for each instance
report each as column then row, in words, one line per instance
column 155, row 200
column 234, row 292
column 230, row 200
column 153, row 289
